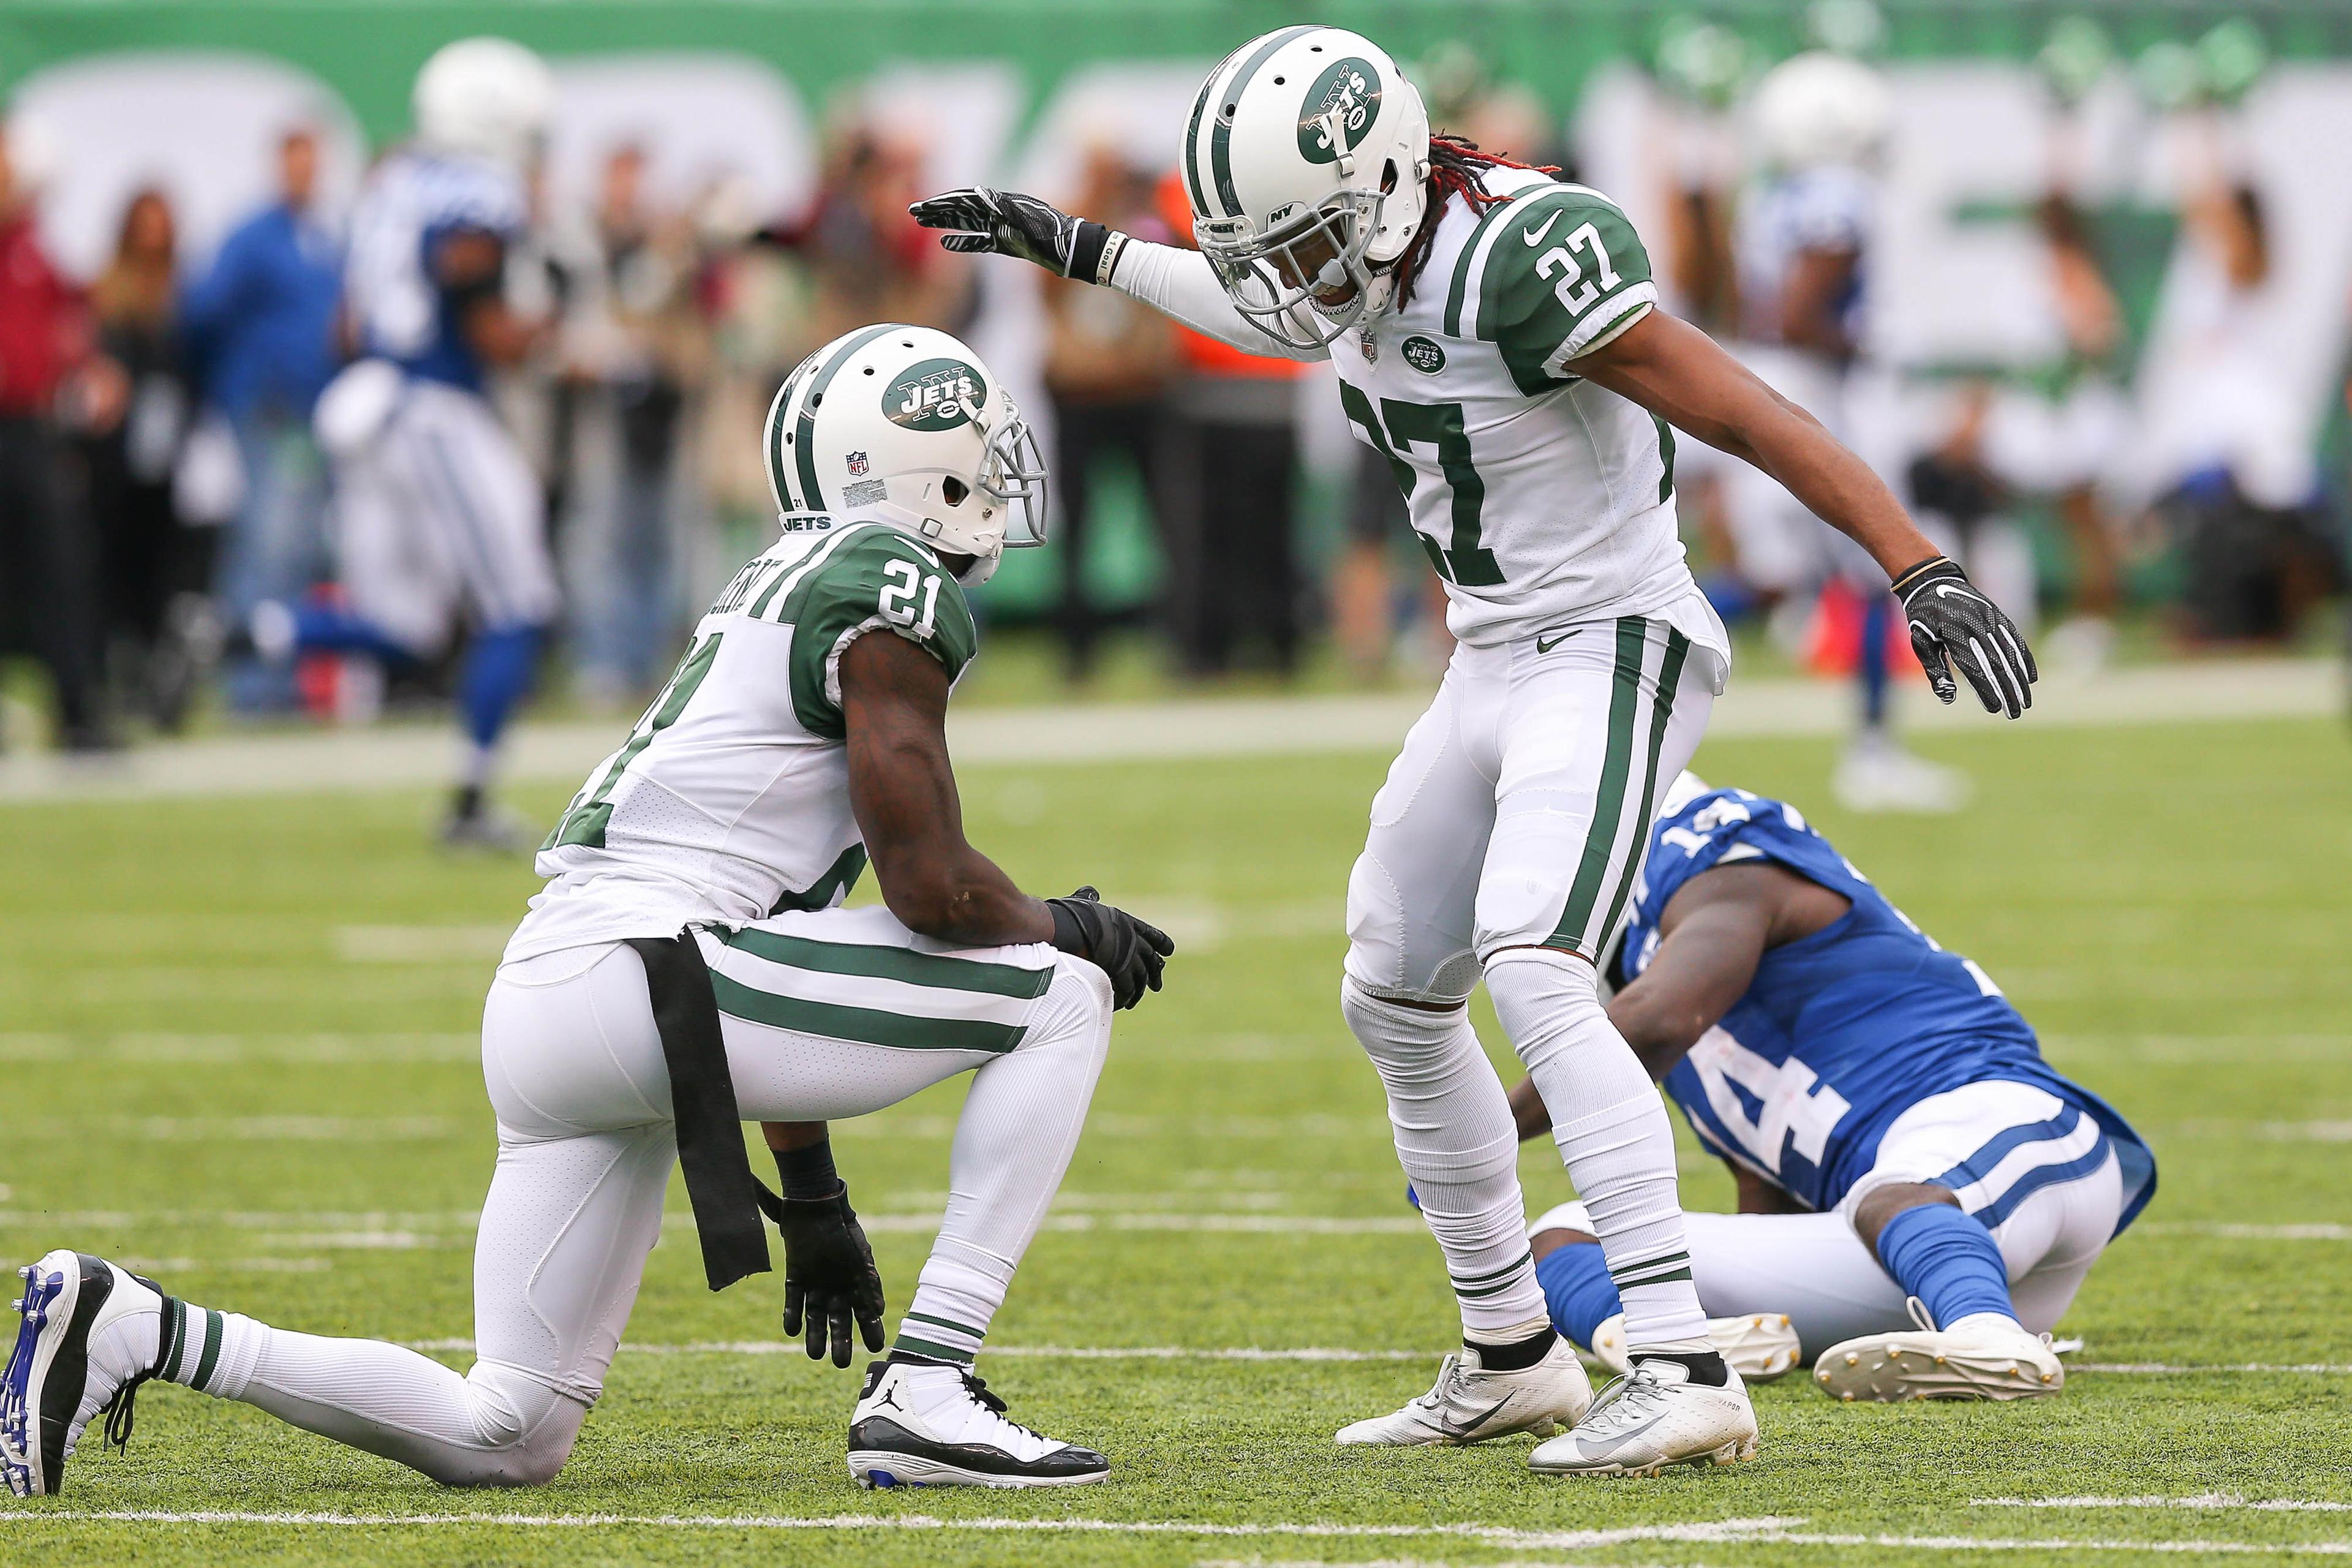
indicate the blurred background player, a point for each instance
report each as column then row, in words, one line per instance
column 1803, row 242
column 441, row 522
column 1920, row 1195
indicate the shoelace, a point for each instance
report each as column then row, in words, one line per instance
column 121, row 1412
column 996, row 1406
column 1919, row 1314
column 1625, row 1399
column 1436, row 1398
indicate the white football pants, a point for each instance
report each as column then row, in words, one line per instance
column 2048, row 1185
column 1506, row 840
column 438, row 510
column 578, row 1081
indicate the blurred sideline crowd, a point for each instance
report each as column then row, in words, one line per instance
column 161, row 484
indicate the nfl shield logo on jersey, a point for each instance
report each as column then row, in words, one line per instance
column 1368, row 342
column 857, row 465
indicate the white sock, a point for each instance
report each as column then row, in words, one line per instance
column 1612, row 1131
column 1020, row 1126
column 1457, row 1144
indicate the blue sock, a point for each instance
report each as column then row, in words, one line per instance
column 1578, row 1290
column 1877, row 620
column 328, row 628
column 495, row 676
column 1948, row 1260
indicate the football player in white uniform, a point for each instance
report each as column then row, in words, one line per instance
column 1497, row 338
column 439, row 518
column 687, row 964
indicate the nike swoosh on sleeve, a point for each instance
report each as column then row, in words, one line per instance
column 1534, row 236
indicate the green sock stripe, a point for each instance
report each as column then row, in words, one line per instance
column 174, row 1331
column 948, row 1323
column 907, row 1341
column 1508, row 1270
column 1653, row 1271
column 211, row 1358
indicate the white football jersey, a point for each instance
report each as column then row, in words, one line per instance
column 1541, row 497
column 730, row 800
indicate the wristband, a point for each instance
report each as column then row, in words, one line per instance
column 1912, row 575
column 1094, row 252
column 808, row 1173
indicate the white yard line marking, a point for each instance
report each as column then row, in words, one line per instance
column 1766, row 1528
column 258, row 1128
column 395, row 756
column 2328, row 1232
column 2202, row 1501
column 1762, row 1531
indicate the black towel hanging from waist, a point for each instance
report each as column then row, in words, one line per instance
column 726, row 1199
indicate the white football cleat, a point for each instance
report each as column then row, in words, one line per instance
column 1984, row 1357
column 918, row 1425
column 67, row 1367
column 1876, row 774
column 1469, row 1403
column 1759, row 1346
column 1651, row 1417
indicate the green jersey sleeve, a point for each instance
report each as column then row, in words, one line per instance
column 1567, row 273
column 879, row 580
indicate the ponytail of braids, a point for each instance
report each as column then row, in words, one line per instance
column 1456, row 168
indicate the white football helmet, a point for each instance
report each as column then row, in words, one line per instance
column 1687, row 786
column 1820, row 110
column 487, row 98
column 905, row 425
column 1307, row 159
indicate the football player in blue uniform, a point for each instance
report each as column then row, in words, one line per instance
column 440, row 520
column 1921, row 1195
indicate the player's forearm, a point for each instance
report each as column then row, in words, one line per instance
column 1182, row 285
column 952, row 892
column 1834, row 485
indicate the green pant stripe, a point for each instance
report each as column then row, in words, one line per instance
column 175, row 1338
column 1491, row 1274
column 934, row 970
column 1609, row 801
column 907, row 1341
column 211, row 1358
column 1662, row 710
column 865, row 1025
column 948, row 1323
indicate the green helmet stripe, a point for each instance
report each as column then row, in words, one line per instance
column 772, row 438
column 812, row 494
column 1192, row 141
column 1221, row 137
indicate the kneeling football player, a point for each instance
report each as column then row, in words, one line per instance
column 687, row 965
column 1920, row 1194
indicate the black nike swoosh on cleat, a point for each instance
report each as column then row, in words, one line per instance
column 1464, row 1429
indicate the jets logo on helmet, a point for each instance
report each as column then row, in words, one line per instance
column 936, row 394
column 1338, row 113
column 1307, row 161
column 933, row 446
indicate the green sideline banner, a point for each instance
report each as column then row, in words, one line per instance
column 368, row 50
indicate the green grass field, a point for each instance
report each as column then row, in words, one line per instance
column 238, row 1049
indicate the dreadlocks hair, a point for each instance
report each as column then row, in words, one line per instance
column 1456, row 168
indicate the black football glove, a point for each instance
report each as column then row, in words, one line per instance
column 1131, row 952
column 1951, row 618
column 829, row 1276
column 1006, row 223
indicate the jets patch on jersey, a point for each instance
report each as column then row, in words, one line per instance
column 412, row 202
column 730, row 799
column 1541, row 497
column 1841, row 1032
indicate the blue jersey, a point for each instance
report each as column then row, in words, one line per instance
column 1827, row 208
column 1842, row 1031
column 413, row 201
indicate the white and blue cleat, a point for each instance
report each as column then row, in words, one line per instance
column 51, row 1390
